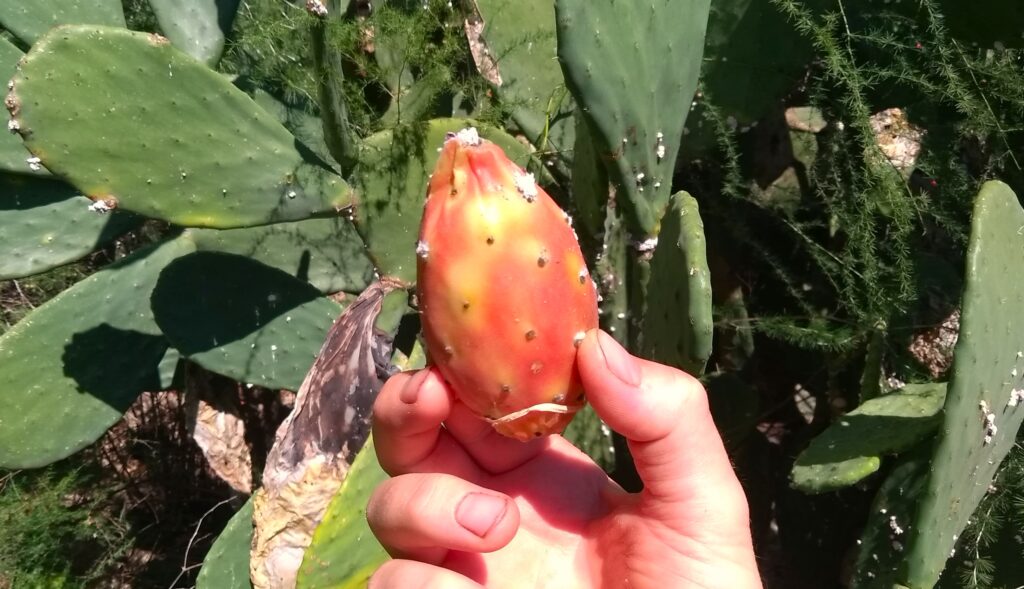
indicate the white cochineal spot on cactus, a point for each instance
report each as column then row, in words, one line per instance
column 467, row 137
column 646, row 245
column 100, row 206
column 316, row 8
column 578, row 338
column 526, row 184
column 34, row 163
column 1016, row 398
column 990, row 422
column 894, row 526
column 422, row 249
column 13, row 125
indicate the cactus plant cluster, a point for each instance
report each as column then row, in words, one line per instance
column 298, row 251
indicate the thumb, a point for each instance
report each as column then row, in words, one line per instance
column 663, row 413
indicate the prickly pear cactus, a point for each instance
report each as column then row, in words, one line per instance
column 505, row 294
column 519, row 36
column 226, row 565
column 677, row 326
column 30, row 20
column 327, row 253
column 46, row 224
column 197, row 27
column 13, row 155
column 267, row 333
column 890, row 521
column 985, row 404
column 633, row 67
column 853, row 447
column 136, row 124
column 70, row 369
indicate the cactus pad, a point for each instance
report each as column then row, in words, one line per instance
column 131, row 121
column 226, row 565
column 633, row 68
column 197, row 27
column 13, row 155
column 237, row 317
column 983, row 408
column 344, row 552
column 851, row 448
column 327, row 253
column 71, row 367
column 391, row 180
column 520, row 37
column 677, row 327
column 46, row 224
column 30, row 20
column 744, row 80
column 890, row 520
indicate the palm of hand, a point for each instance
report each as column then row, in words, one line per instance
column 575, row 528
column 556, row 520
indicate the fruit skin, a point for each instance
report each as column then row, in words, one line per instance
column 504, row 291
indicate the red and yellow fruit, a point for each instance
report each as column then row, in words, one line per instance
column 504, row 292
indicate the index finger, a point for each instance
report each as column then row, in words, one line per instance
column 407, row 432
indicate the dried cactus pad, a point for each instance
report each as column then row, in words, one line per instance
column 504, row 290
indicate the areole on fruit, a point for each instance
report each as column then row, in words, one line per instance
column 502, row 290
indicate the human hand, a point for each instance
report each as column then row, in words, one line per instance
column 467, row 507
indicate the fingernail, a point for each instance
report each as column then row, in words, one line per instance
column 479, row 513
column 411, row 391
column 619, row 361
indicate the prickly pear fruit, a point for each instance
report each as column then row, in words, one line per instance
column 504, row 292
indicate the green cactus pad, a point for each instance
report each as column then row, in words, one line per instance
column 308, row 129
column 678, row 325
column 520, row 37
column 30, row 20
column 852, row 447
column 46, row 224
column 329, row 72
column 226, row 565
column 988, row 364
column 589, row 182
column 197, row 27
column 880, row 548
column 71, row 367
column 13, row 155
column 344, row 552
column 391, row 181
column 240, row 318
column 130, row 120
column 327, row 253
column 633, row 67
column 744, row 80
